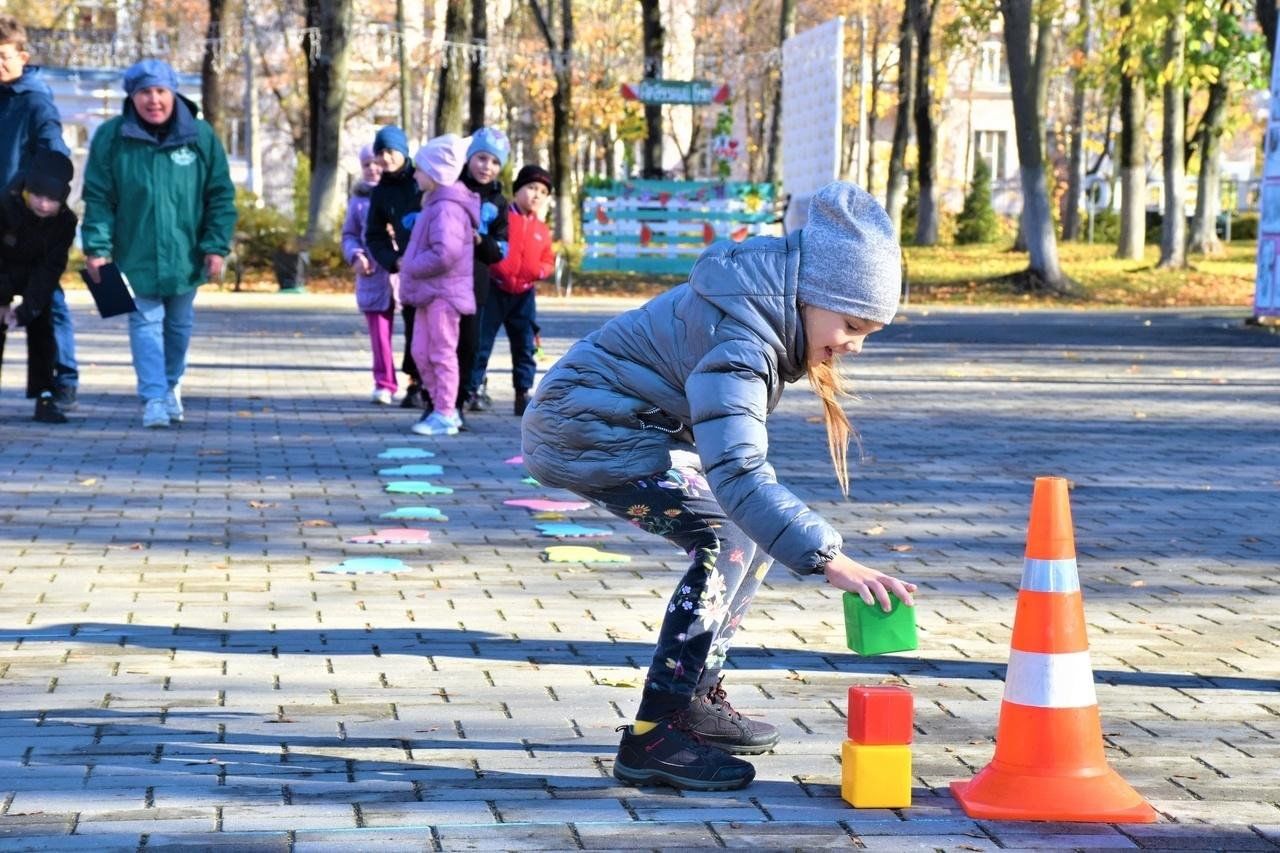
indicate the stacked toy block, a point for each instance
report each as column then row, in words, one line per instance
column 875, row 762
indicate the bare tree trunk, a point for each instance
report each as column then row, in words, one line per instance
column 1045, row 270
column 1267, row 14
column 1173, row 231
column 1133, row 151
column 452, row 80
column 786, row 29
column 896, row 189
column 561, row 110
column 210, row 74
column 877, row 76
column 328, row 42
column 1071, row 215
column 1204, row 226
column 653, row 38
column 480, row 43
column 926, row 131
column 402, row 63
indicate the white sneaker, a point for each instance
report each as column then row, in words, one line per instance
column 381, row 397
column 173, row 404
column 436, row 424
column 155, row 415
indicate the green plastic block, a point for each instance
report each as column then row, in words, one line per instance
column 871, row 631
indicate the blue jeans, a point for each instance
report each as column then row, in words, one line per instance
column 516, row 314
column 64, row 333
column 713, row 597
column 159, row 332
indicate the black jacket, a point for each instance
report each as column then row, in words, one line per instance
column 493, row 244
column 395, row 196
column 33, row 252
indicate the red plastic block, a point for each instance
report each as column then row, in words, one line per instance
column 879, row 716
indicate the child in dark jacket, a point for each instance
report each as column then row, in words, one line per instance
column 36, row 232
column 393, row 207
column 512, row 284
column 435, row 275
column 485, row 158
column 659, row 417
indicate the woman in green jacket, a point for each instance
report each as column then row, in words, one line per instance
column 159, row 202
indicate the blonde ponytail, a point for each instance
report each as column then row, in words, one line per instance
column 826, row 382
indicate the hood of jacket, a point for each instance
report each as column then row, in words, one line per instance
column 362, row 189
column 456, row 193
column 756, row 283
column 32, row 80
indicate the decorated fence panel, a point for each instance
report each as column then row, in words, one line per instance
column 662, row 226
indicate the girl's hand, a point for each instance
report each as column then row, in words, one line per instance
column 871, row 585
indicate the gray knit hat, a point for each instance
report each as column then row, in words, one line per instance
column 850, row 261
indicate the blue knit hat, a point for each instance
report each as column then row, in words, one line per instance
column 492, row 141
column 146, row 73
column 850, row 260
column 393, row 138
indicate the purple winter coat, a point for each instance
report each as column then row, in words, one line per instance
column 437, row 263
column 376, row 291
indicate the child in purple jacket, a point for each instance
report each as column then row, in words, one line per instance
column 375, row 287
column 435, row 275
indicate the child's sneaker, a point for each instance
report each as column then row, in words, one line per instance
column 669, row 755
column 713, row 719
column 173, row 404
column 155, row 415
column 435, row 423
column 47, row 411
column 381, row 397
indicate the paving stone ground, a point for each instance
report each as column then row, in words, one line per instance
column 178, row 671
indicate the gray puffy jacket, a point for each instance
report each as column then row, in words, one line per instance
column 702, row 365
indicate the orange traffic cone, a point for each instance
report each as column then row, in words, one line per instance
column 1049, row 763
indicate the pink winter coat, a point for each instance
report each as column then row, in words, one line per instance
column 437, row 263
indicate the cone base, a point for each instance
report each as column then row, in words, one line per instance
column 996, row 794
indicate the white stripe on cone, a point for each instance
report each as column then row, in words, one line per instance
column 1050, row 575
column 1062, row 680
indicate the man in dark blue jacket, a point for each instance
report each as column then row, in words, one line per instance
column 29, row 123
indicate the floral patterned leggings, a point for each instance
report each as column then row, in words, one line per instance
column 711, row 600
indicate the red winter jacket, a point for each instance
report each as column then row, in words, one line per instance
column 530, row 257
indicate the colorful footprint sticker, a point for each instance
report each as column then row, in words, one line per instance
column 394, row 536
column 411, row 471
column 530, row 481
column 422, row 513
column 417, row 487
column 561, row 530
column 550, row 516
column 367, row 566
column 544, row 505
column 405, row 453
column 581, row 554
column 515, row 460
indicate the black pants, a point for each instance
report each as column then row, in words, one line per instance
column 710, row 601
column 407, row 364
column 468, row 339
column 515, row 313
column 42, row 354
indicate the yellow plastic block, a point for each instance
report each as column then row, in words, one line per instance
column 875, row 777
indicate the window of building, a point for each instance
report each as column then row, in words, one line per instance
column 992, row 70
column 990, row 145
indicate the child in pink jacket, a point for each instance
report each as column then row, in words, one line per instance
column 435, row 275
column 375, row 287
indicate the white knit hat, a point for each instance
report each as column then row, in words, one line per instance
column 443, row 158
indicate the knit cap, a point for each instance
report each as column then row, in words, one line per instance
column 850, row 260
column 146, row 73
column 443, row 158
column 533, row 174
column 366, row 154
column 48, row 173
column 491, row 140
column 393, row 138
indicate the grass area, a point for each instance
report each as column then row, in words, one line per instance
column 970, row 275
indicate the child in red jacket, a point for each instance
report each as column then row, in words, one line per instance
column 513, row 281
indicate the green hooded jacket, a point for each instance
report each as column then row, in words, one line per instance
column 156, row 207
